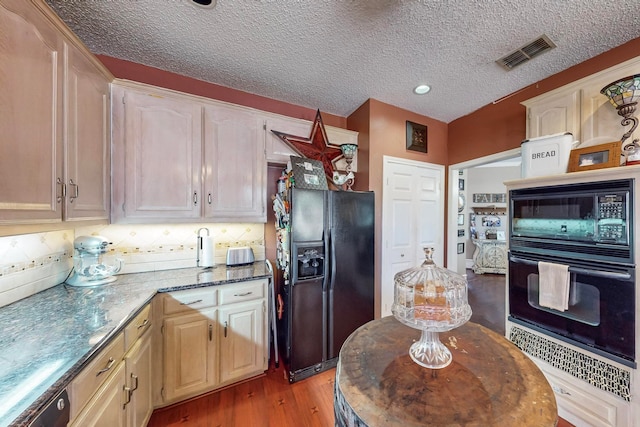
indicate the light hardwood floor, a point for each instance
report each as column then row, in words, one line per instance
column 270, row 401
column 263, row 402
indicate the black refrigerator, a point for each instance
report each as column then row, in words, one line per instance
column 326, row 252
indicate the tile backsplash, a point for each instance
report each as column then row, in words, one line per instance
column 31, row 263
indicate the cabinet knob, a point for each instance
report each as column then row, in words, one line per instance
column 195, row 198
column 225, row 328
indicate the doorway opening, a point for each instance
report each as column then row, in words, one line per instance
column 464, row 195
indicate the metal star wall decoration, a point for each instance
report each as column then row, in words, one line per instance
column 315, row 147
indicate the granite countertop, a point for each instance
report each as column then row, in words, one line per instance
column 47, row 338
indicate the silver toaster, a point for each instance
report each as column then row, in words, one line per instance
column 240, row 256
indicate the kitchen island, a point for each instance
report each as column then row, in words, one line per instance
column 489, row 382
column 48, row 338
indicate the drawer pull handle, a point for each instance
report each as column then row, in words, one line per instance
column 225, row 329
column 107, row 368
column 191, row 303
column 134, row 377
column 127, row 392
column 143, row 324
column 560, row 390
column 210, row 332
column 243, row 294
column 76, row 192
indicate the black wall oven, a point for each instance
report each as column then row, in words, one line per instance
column 586, row 227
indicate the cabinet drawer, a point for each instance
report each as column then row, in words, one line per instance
column 137, row 327
column 242, row 291
column 192, row 299
column 95, row 373
column 589, row 406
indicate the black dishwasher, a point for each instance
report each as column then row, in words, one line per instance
column 55, row 414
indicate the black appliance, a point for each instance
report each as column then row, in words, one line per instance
column 587, row 227
column 55, row 414
column 327, row 255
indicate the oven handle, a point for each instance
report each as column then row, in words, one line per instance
column 578, row 270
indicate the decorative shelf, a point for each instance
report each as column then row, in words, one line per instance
column 489, row 210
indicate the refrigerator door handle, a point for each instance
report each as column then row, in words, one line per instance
column 332, row 257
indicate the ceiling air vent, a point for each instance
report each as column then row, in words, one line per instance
column 526, row 52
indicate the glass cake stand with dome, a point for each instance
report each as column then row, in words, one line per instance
column 433, row 300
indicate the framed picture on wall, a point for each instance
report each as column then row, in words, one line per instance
column 461, row 232
column 460, row 219
column 461, row 184
column 460, row 248
column 416, row 137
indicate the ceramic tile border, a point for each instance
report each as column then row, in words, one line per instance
column 18, row 267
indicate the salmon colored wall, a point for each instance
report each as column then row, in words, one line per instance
column 122, row 69
column 382, row 132
column 502, row 126
column 359, row 120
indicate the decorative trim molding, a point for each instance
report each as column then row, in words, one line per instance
column 596, row 372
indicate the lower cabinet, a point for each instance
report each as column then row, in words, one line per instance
column 189, row 354
column 138, row 375
column 213, row 337
column 242, row 340
column 107, row 406
column 114, row 389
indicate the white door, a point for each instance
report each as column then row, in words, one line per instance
column 412, row 218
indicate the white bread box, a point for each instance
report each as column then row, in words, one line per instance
column 546, row 155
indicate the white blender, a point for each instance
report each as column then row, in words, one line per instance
column 89, row 268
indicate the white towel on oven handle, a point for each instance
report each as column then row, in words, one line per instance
column 553, row 285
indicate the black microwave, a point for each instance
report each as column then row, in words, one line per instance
column 588, row 220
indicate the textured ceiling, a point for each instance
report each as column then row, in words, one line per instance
column 333, row 55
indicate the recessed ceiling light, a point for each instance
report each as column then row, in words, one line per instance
column 422, row 89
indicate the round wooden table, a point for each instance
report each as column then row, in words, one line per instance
column 489, row 383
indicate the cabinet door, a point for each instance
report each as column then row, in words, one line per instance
column 555, row 114
column 235, row 166
column 189, row 354
column 277, row 150
column 162, row 158
column 88, row 166
column 30, row 115
column 600, row 119
column 107, row 407
column 242, row 340
column 138, row 376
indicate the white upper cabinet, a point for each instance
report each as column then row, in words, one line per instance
column 30, row 115
column 234, row 165
column 88, row 140
column 580, row 108
column 557, row 113
column 157, row 156
column 181, row 158
column 277, row 150
column 54, row 115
